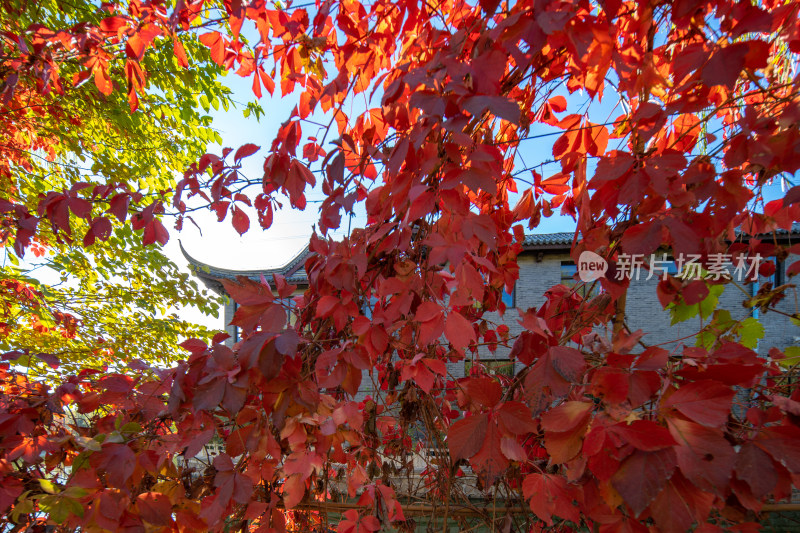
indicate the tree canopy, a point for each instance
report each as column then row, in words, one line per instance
column 77, row 161
column 674, row 126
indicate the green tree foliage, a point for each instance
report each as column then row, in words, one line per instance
column 107, row 297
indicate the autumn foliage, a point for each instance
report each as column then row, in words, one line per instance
column 430, row 108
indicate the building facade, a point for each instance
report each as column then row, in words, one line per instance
column 546, row 261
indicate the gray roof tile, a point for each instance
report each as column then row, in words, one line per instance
column 295, row 272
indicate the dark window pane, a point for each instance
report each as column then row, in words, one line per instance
column 493, row 367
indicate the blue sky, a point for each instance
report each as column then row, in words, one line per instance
column 219, row 245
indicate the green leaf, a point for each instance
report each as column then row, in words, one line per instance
column 130, row 427
column 681, row 312
column 23, row 506
column 792, row 354
column 750, row 331
column 75, row 492
column 59, row 507
column 80, row 461
column 48, row 486
column 709, row 304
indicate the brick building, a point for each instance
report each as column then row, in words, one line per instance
column 545, row 262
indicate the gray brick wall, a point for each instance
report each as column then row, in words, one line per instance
column 643, row 310
column 538, row 273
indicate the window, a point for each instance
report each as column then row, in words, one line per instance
column 568, row 272
column 493, row 367
column 235, row 335
column 290, row 305
column 569, row 277
column 778, row 277
column 510, row 298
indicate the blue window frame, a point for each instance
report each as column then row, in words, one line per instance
column 510, row 298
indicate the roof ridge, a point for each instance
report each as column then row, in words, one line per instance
column 286, row 269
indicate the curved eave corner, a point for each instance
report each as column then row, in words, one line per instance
column 212, row 276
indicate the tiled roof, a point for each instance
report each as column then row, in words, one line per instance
column 549, row 239
column 795, row 229
column 564, row 239
column 295, row 273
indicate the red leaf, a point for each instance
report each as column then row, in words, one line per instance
column 119, row 461
column 549, row 495
column 513, row 449
column 705, row 457
column 423, row 377
column 653, row 358
column 101, row 227
column 680, row 505
column 216, row 43
column 489, row 462
column 695, row 292
column 644, row 435
column 642, row 238
column 516, row 418
column 370, row 523
column 525, row 208
column 246, row 150
column 565, row 445
column 430, row 330
column 611, row 384
column 783, row 444
column 498, row 105
column 154, row 232
column 154, row 508
column 113, row 24
column 458, row 330
column 241, row 222
column 80, row 207
column 101, row 79
column 326, row 305
column 725, row 65
column 486, row 392
column 436, row 366
column 792, row 196
column 294, row 488
column 246, row 291
column 564, row 428
column 421, row 206
column 134, row 47
column 268, row 82
column 256, row 86
column 270, row 361
column 116, row 383
column 285, row 290
column 118, row 206
column 754, row 467
column 180, row 52
column 568, row 362
column 558, row 103
column 9, row 492
column 489, row 6
column 427, row 311
column 642, row 476
column 706, row 402
column 465, row 437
